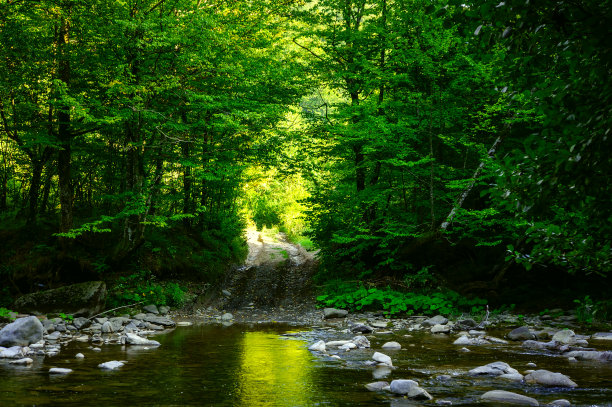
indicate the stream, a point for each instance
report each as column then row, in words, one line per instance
column 270, row 365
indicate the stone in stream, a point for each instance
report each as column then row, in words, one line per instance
column 59, row 370
column 22, row 332
column 133, row 339
column 329, row 313
column 605, row 356
column 560, row 403
column 348, row 346
column 547, row 378
column 566, row 337
column 318, row 346
column 493, row 369
column 167, row 322
column 336, row 343
column 501, row 396
column 163, row 309
column 520, row 334
column 112, row 365
column 151, row 309
column 410, row 389
column 376, row 386
column 437, row 320
column 107, row 328
column 79, row 356
column 361, row 341
column 81, row 323
column 23, row 362
column 440, row 329
column 225, row 317
column 514, row 377
column 382, row 358
column 361, row 328
column 465, row 341
column 602, row 336
column 53, row 336
column 392, row 345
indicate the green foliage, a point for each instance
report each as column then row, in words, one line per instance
column 6, row 314
column 66, row 317
column 357, row 298
column 142, row 287
column 589, row 311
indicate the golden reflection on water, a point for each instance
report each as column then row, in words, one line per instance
column 273, row 371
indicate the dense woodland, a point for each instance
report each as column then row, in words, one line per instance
column 416, row 143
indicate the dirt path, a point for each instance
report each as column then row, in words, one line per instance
column 274, row 250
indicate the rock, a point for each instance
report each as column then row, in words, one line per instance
column 22, row 332
column 79, row 356
column 167, row 322
column 151, row 309
column 361, row 328
column 474, row 332
column 566, row 337
column 59, row 370
column 107, row 328
column 437, row 320
column 140, row 316
column 100, row 320
column 53, row 336
column 226, row 317
column 591, row 355
column 514, row 377
column 318, row 346
column 361, row 341
column 382, row 358
column 81, row 323
column 392, row 345
column 112, row 365
column 520, row 334
column 133, row 339
column 560, row 403
column 84, row 299
column 493, row 369
column 501, row 396
column 336, row 343
column 466, row 323
column 376, row 386
column 493, row 339
column 22, row 362
column 348, row 346
column 602, row 336
column 329, row 313
column 410, row 389
column 440, row 329
column 380, row 324
column 163, row 309
column 546, row 378
column 465, row 341
column 464, row 350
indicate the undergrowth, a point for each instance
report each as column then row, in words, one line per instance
column 141, row 286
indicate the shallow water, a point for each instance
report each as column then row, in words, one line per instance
column 270, row 365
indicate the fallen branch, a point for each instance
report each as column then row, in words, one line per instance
column 115, row 309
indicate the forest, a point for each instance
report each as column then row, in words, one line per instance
column 420, row 145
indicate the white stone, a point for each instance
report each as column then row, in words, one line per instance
column 318, row 346
column 24, row 361
column 79, row 356
column 133, row 339
column 440, row 329
column 184, row 323
column 59, row 370
column 382, row 358
column 501, row 396
column 348, row 346
column 566, row 337
column 336, row 343
column 112, row 365
column 391, row 345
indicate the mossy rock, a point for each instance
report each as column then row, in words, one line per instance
column 83, row 299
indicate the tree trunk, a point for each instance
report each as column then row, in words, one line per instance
column 37, row 168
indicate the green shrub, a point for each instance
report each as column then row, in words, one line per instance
column 142, row 287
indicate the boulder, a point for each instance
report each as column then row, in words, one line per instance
column 566, row 337
column 348, row 346
column 361, row 328
column 602, row 336
column 410, row 389
column 514, row 377
column 560, row 403
column 163, row 309
column 14, row 352
column 392, row 345
column 493, row 369
column 382, row 358
column 107, row 328
column 466, row 324
column 84, row 299
column 501, row 396
column 22, row 332
column 334, row 313
column 22, row 362
column 605, row 356
column 318, row 346
column 546, row 378
column 440, row 329
column 112, row 365
column 361, row 341
column 376, row 386
column 520, row 334
column 81, row 323
column 133, row 339
column 167, row 322
column 437, row 320
column 151, row 309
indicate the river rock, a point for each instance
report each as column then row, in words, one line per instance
column 151, row 309
column 81, row 323
column 410, row 389
column 361, row 328
column 493, row 339
column 163, row 309
column 602, row 336
column 382, row 358
column 329, row 313
column 361, row 341
column 466, row 341
column 348, row 346
column 167, row 322
column 376, row 386
column 59, row 370
column 493, row 369
column 133, row 339
column 605, row 356
column 520, row 334
column 84, row 299
column 514, row 377
column 440, row 329
column 107, row 328
column 53, row 336
column 22, row 332
column 79, row 356
column 392, row 345
column 466, row 324
column 437, row 320
column 112, row 365
column 501, row 396
column 318, row 346
column 546, row 378
column 22, row 362
column 560, row 403
column 336, row 343
column 14, row 352
column 566, row 337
